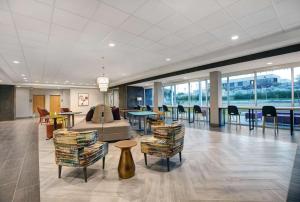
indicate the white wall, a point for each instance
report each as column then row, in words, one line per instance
column 95, row 98
column 23, row 104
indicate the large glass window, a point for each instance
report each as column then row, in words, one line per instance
column 182, row 94
column 148, row 96
column 241, row 90
column 297, row 86
column 194, row 93
column 203, row 93
column 208, row 92
column 168, row 95
column 224, row 91
column 274, row 87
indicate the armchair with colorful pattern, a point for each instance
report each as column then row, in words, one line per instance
column 78, row 149
column 166, row 142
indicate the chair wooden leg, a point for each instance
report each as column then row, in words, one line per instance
column 103, row 162
column 85, row 174
column 180, row 156
column 264, row 124
column 168, row 164
column 145, row 157
column 59, row 171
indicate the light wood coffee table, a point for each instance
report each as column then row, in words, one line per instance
column 126, row 166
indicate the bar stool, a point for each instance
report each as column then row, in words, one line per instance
column 197, row 112
column 270, row 111
column 181, row 111
column 166, row 110
column 148, row 108
column 233, row 111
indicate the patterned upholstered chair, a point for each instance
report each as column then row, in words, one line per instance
column 78, row 149
column 166, row 142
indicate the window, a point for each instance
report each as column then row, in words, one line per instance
column 148, row 96
column 168, row 95
column 297, row 86
column 208, row 92
column 182, row 94
column 203, row 93
column 241, row 90
column 194, row 93
column 224, row 91
column 274, row 87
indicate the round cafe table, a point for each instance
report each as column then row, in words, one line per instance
column 126, row 166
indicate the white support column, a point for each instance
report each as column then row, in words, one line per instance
column 215, row 97
column 157, row 95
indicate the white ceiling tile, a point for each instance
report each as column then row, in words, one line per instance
column 194, row 9
column 155, row 47
column 84, row 8
column 225, row 32
column 7, row 30
column 119, row 36
column 128, row 6
column 5, row 18
column 61, row 35
column 33, row 36
column 135, row 25
column 203, row 38
column 109, row 15
column 226, row 2
column 155, row 33
column 69, row 20
column 31, row 8
column 288, row 12
column 190, row 31
column 4, row 5
column 174, row 23
column 257, row 18
column 95, row 32
column 29, row 23
column 154, row 11
column 49, row 2
column 141, row 42
column 245, row 7
column 170, row 40
column 215, row 20
column 264, row 29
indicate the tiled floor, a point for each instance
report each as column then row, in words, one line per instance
column 19, row 176
column 227, row 164
column 217, row 166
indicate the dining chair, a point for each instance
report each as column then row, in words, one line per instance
column 233, row 111
column 270, row 112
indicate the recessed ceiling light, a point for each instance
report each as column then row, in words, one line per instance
column 25, row 78
column 16, row 62
column 37, row 81
column 185, row 77
column 235, row 37
column 23, row 75
column 67, row 81
column 168, row 59
column 269, row 63
column 111, row 45
column 0, row 81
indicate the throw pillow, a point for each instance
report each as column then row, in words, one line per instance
column 90, row 114
column 116, row 113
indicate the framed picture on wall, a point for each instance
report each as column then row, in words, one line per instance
column 83, row 99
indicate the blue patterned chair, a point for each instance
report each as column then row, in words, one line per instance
column 166, row 142
column 78, row 149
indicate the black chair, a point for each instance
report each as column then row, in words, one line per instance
column 233, row 111
column 138, row 107
column 166, row 110
column 197, row 112
column 148, row 108
column 181, row 111
column 268, row 112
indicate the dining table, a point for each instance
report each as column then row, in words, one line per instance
column 141, row 115
column 70, row 115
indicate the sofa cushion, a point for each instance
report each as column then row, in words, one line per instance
column 90, row 114
column 116, row 113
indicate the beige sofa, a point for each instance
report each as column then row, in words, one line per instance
column 116, row 130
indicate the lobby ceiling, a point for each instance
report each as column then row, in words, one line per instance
column 62, row 42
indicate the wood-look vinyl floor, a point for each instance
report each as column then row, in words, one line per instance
column 216, row 166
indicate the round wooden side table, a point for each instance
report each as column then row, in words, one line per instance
column 126, row 166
